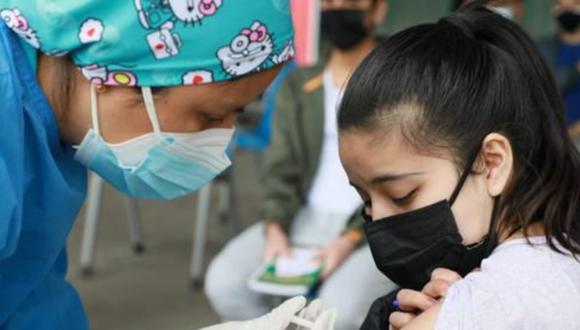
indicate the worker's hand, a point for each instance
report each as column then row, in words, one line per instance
column 321, row 319
column 413, row 303
column 277, row 319
column 334, row 254
column 276, row 241
column 326, row 320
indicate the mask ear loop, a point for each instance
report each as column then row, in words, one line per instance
column 492, row 233
column 463, row 178
column 94, row 105
column 150, row 107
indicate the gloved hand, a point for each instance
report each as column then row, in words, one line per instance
column 321, row 319
column 278, row 319
column 281, row 317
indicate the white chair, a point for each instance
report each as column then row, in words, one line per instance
column 197, row 266
column 92, row 220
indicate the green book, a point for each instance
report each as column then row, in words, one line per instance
column 287, row 277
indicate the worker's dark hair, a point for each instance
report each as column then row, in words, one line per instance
column 470, row 74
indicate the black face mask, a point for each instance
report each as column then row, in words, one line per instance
column 344, row 28
column 569, row 20
column 407, row 247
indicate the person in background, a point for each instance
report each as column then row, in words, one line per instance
column 143, row 93
column 307, row 198
column 562, row 52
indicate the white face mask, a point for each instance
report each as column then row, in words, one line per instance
column 155, row 165
column 132, row 152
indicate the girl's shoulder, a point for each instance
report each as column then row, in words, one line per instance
column 532, row 266
column 532, row 254
column 521, row 284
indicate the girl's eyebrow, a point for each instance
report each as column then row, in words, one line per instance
column 393, row 177
column 388, row 177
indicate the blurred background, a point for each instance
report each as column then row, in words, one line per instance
column 537, row 18
column 141, row 273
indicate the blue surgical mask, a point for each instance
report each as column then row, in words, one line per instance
column 156, row 165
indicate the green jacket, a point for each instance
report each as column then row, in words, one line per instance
column 292, row 159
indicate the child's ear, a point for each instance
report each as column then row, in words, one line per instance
column 497, row 156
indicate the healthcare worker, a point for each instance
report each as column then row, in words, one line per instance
column 144, row 93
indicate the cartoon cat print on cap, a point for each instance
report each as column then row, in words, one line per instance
column 154, row 13
column 251, row 49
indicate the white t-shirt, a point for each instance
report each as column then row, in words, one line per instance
column 519, row 287
column 330, row 191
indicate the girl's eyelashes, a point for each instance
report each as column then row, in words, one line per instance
column 405, row 200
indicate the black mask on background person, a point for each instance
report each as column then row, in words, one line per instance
column 344, row 28
column 407, row 247
column 569, row 20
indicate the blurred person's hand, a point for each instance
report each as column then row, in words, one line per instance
column 413, row 303
column 334, row 254
column 276, row 241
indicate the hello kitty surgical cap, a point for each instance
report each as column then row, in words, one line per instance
column 157, row 42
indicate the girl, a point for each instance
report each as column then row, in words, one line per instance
column 453, row 134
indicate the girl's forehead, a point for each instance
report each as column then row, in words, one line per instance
column 367, row 155
column 367, row 151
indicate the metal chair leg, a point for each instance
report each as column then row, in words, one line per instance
column 91, row 224
column 223, row 200
column 135, row 226
column 235, row 226
column 200, row 236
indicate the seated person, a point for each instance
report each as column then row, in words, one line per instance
column 308, row 201
column 452, row 134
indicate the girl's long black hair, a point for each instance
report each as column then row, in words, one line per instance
column 470, row 74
